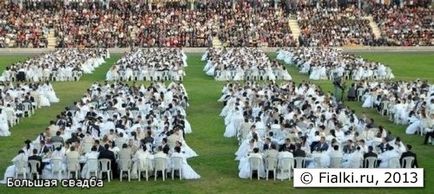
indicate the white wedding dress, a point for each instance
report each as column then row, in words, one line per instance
column 187, row 171
column 235, row 121
column 4, row 127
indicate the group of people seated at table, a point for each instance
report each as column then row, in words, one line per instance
column 138, row 129
column 242, row 64
column 60, row 65
column 328, row 63
column 149, row 64
column 404, row 102
column 275, row 122
column 406, row 26
column 20, row 100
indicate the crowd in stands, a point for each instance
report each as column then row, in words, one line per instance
column 20, row 100
column 328, row 63
column 132, row 23
column 245, row 23
column 242, row 64
column 408, row 26
column 280, row 122
column 151, row 64
column 115, row 127
column 403, row 102
column 21, row 28
column 334, row 27
column 60, row 65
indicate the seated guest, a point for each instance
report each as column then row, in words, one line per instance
column 298, row 152
column 288, row 145
column 93, row 154
column 321, row 146
column 187, row 171
column 336, row 153
column 36, row 157
column 386, row 156
column 271, row 152
column 142, row 159
column 349, row 147
column 57, row 138
column 370, row 153
column 107, row 154
column 409, row 153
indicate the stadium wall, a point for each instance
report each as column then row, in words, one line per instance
column 33, row 51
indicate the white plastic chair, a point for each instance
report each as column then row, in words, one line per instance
column 336, row 162
column 317, row 162
column 125, row 166
column 20, row 169
column 370, row 162
column 28, row 109
column 56, row 167
column 34, row 166
column 92, row 167
column 160, row 166
column 148, row 163
column 106, row 167
column 286, row 165
column 86, row 147
column 299, row 162
column 57, row 144
column 177, row 166
column 271, row 165
column 73, row 166
column 255, row 163
column 407, row 162
column 394, row 163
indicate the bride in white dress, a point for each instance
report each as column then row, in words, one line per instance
column 244, row 165
column 43, row 100
column 187, row 171
column 10, row 171
column 315, row 73
column 369, row 100
column 235, row 121
column 239, row 74
column 49, row 93
column 4, row 127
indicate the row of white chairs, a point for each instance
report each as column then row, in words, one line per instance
column 26, row 109
column 286, row 165
column 96, row 167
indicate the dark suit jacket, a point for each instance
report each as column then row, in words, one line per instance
column 107, row 154
column 370, row 154
column 38, row 158
column 299, row 153
column 166, row 149
column 407, row 154
column 290, row 147
column 266, row 147
column 321, row 147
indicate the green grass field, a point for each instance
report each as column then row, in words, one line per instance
column 216, row 162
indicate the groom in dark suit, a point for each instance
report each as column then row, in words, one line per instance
column 37, row 158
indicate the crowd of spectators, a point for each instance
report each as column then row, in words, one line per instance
column 135, row 23
column 241, row 23
column 334, row 27
column 407, row 26
column 23, row 28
